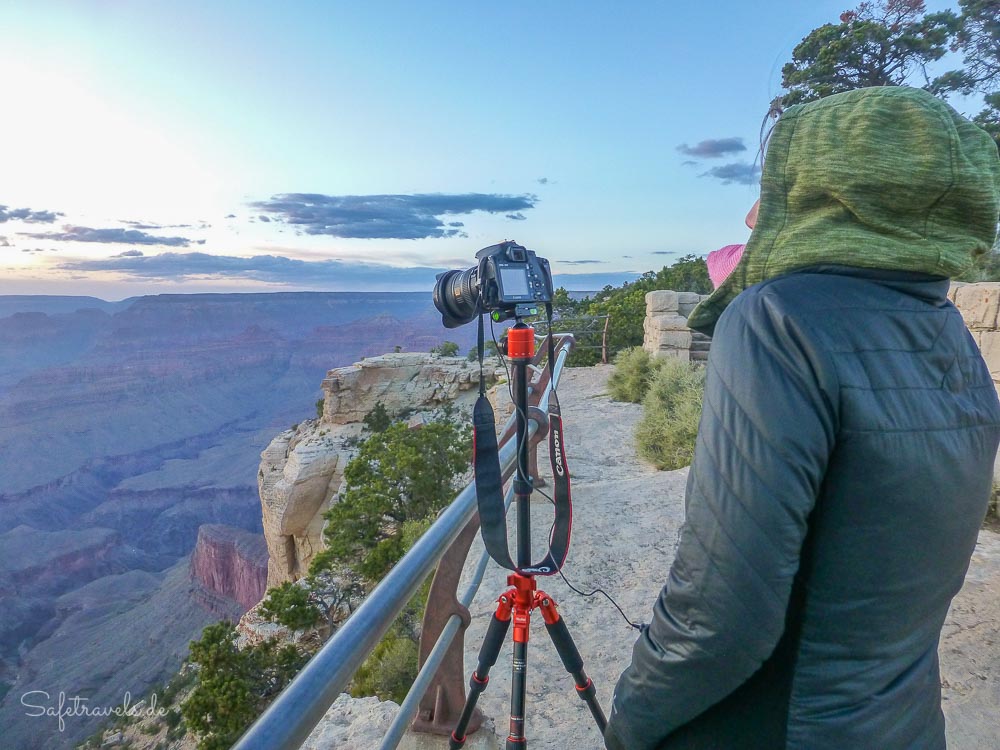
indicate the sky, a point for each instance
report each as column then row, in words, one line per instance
column 174, row 147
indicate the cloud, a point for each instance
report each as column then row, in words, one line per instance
column 230, row 216
column 579, row 262
column 664, row 252
column 71, row 233
column 276, row 269
column 27, row 215
column 147, row 225
column 542, row 180
column 713, row 148
column 516, row 216
column 591, row 282
column 739, row 173
column 405, row 217
column 265, row 219
column 4, row 242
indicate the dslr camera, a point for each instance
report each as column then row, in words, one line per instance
column 507, row 277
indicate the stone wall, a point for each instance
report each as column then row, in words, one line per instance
column 980, row 307
column 666, row 333
column 665, row 330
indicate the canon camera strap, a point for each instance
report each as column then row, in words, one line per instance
column 489, row 480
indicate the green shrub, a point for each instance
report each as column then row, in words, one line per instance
column 634, row 371
column 290, row 605
column 234, row 686
column 389, row 671
column 671, row 411
column 446, row 349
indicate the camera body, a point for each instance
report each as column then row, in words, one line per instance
column 507, row 275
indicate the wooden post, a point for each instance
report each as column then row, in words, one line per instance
column 604, row 342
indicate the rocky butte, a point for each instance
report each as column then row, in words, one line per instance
column 302, row 469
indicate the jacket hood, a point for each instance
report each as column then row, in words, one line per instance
column 888, row 177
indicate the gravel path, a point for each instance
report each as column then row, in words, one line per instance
column 625, row 524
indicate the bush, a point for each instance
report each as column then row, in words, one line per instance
column 234, row 687
column 671, row 411
column 634, row 371
column 290, row 605
column 389, row 671
column 398, row 475
column 446, row 349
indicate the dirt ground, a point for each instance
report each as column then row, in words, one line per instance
column 625, row 524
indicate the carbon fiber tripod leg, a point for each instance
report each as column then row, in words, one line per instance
column 488, row 653
column 571, row 659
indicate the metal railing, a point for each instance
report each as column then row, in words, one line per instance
column 288, row 721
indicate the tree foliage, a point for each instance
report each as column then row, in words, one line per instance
column 378, row 419
column 234, row 686
column 884, row 43
column 894, row 43
column 445, row 349
column 626, row 306
column 292, row 606
column 398, row 475
column 978, row 39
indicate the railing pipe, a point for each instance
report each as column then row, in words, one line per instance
column 287, row 722
column 410, row 704
column 296, row 711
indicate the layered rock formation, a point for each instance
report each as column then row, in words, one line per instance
column 230, row 563
column 302, row 469
column 125, row 427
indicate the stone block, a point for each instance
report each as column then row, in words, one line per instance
column 661, row 301
column 684, row 355
column 688, row 301
column 670, row 321
column 671, row 340
column 979, row 305
column 989, row 345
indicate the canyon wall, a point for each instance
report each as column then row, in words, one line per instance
column 231, row 564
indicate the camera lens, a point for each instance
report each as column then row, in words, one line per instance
column 456, row 296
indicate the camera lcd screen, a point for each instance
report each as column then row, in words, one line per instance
column 514, row 281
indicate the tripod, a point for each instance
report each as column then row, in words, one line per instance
column 517, row 603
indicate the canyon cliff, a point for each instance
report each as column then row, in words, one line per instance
column 231, row 564
column 302, row 469
column 125, row 428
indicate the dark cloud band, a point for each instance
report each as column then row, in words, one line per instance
column 26, row 214
column 71, row 233
column 405, row 217
column 739, row 173
column 713, row 148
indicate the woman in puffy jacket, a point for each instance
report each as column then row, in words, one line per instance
column 846, row 448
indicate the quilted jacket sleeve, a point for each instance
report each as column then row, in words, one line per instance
column 766, row 433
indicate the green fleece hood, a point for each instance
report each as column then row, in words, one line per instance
column 888, row 177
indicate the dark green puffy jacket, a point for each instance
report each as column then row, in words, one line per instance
column 844, row 458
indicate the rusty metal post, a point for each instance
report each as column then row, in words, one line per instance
column 445, row 697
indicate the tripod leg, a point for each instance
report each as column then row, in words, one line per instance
column 571, row 658
column 518, row 697
column 488, row 653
